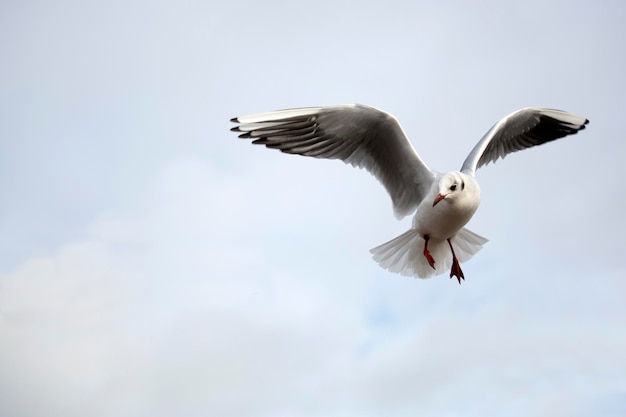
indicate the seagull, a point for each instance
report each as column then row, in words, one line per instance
column 366, row 137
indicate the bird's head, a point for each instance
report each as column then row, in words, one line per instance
column 450, row 187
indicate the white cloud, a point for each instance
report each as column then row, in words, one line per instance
column 62, row 338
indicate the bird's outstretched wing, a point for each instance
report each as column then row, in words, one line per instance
column 520, row 130
column 358, row 135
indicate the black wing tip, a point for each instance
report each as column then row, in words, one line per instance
column 260, row 141
column 237, row 129
column 235, row 120
column 583, row 126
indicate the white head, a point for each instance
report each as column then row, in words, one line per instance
column 451, row 186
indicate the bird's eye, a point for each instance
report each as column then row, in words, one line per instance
column 462, row 185
column 453, row 187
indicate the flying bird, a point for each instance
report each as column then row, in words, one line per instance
column 369, row 138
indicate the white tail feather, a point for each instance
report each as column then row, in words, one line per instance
column 466, row 243
column 405, row 253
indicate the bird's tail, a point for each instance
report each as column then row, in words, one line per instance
column 405, row 253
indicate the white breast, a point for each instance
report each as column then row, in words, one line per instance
column 448, row 217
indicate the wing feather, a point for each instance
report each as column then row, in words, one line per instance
column 358, row 135
column 522, row 129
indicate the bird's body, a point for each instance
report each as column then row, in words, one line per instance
column 437, row 223
column 443, row 203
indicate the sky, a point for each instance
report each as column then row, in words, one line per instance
column 153, row 264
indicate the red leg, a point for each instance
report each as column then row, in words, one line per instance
column 456, row 268
column 429, row 257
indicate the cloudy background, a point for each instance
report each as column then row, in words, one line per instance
column 152, row 264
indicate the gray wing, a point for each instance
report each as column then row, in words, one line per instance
column 522, row 129
column 358, row 135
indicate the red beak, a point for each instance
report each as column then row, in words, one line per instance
column 438, row 199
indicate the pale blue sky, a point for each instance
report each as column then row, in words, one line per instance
column 155, row 265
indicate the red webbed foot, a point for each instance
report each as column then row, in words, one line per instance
column 456, row 270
